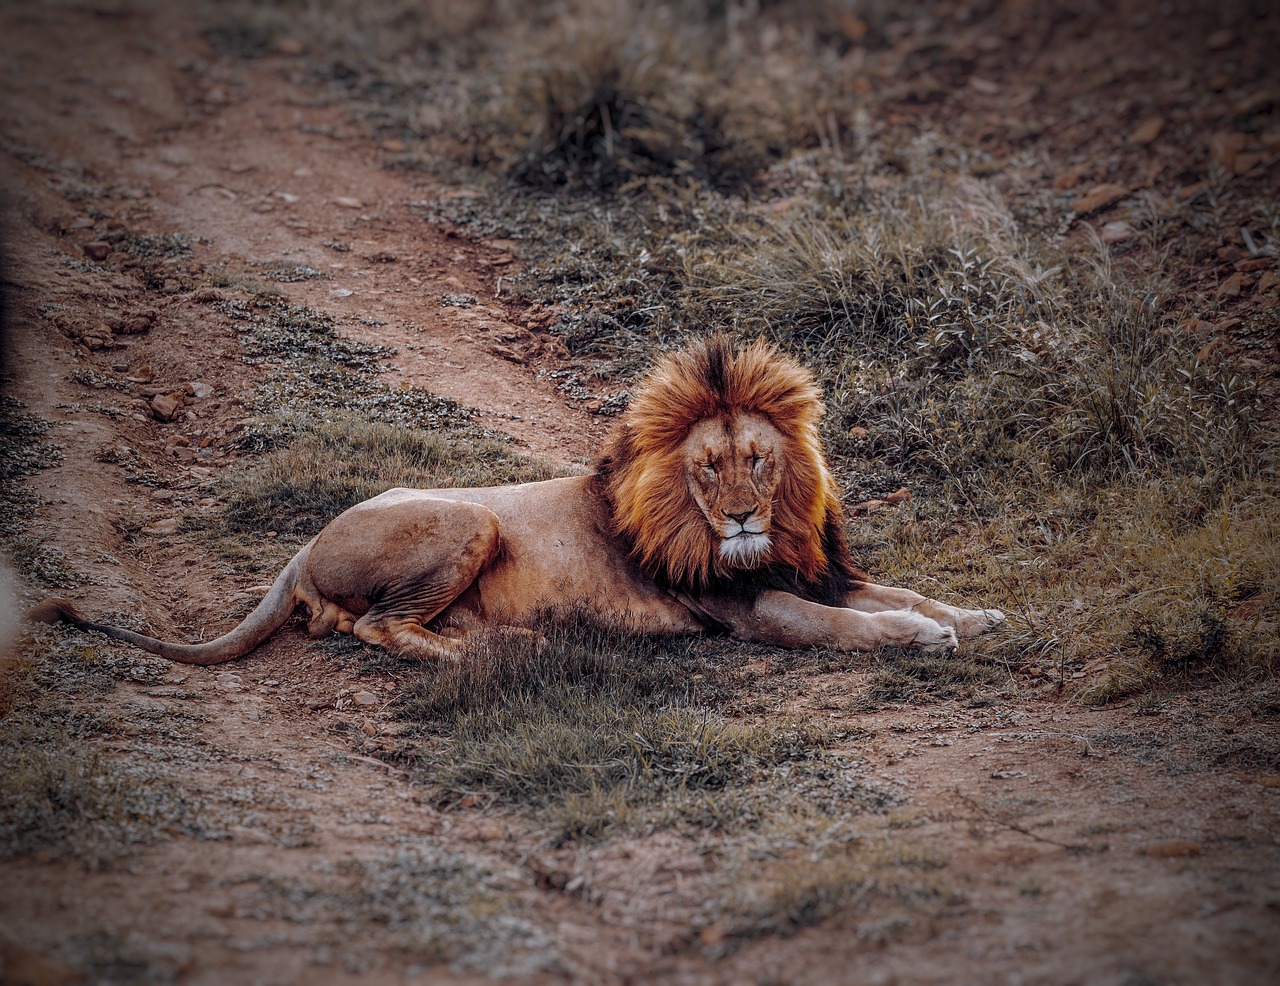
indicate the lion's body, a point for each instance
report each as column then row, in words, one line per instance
column 711, row 507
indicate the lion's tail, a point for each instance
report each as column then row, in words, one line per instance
column 267, row 617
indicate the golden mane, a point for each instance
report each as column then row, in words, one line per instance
column 644, row 475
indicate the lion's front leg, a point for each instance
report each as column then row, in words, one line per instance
column 784, row 620
column 872, row 598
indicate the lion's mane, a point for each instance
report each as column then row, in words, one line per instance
column 644, row 480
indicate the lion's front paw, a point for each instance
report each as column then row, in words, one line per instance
column 976, row 622
column 932, row 640
column 904, row 628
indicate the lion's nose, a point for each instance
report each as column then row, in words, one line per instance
column 740, row 518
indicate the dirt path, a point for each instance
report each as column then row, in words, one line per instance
column 1053, row 844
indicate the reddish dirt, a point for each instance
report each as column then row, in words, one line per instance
column 1089, row 846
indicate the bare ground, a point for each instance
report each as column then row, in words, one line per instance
column 1051, row 843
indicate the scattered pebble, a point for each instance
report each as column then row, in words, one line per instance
column 1100, row 197
column 1219, row 40
column 97, row 250
column 1230, row 288
column 1147, row 131
column 1117, row 231
column 347, row 202
column 1173, row 848
column 365, row 698
column 165, row 406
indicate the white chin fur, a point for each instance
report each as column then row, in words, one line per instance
column 745, row 550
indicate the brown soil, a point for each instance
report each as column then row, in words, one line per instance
column 1091, row 846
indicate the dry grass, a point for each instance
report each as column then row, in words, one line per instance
column 61, row 797
column 599, row 725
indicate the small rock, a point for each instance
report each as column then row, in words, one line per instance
column 549, row 873
column 1220, row 40
column 347, row 202
column 1254, row 264
column 1188, row 192
column 242, row 833
column 165, row 406
column 394, row 146
column 858, row 432
column 1100, row 197
column 1258, row 102
column 1197, row 327
column 1215, row 351
column 290, row 46
column 97, row 250
column 1173, row 848
column 1246, row 162
column 1230, row 288
column 1147, row 131
column 341, row 293
column 166, row 526
column 365, row 698
column 369, row 728
column 1269, row 282
column 135, row 325
column 199, row 389
column 489, row 833
column 1225, row 146
column 1117, row 231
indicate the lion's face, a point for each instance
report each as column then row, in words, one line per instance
column 716, row 468
column 732, row 467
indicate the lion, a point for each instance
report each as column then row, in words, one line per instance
column 711, row 508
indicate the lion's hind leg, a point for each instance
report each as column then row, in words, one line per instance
column 398, row 561
column 405, row 637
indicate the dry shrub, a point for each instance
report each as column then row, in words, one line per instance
column 622, row 91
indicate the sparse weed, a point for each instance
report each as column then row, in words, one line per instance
column 825, row 871
column 60, row 797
